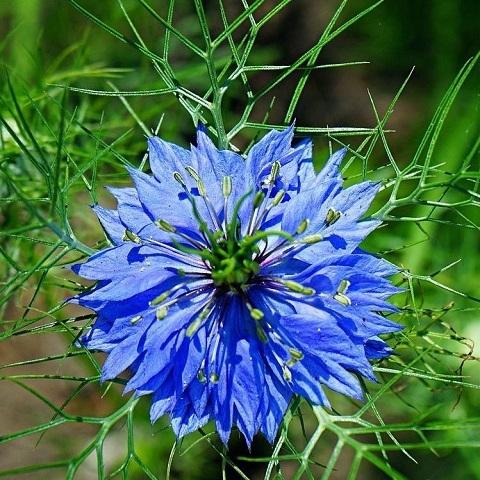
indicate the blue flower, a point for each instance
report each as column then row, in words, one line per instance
column 234, row 284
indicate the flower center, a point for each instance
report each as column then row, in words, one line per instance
column 233, row 263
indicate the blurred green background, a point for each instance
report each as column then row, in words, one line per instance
column 48, row 42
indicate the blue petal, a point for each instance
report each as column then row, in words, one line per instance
column 360, row 262
column 163, row 342
column 315, row 192
column 213, row 165
column 319, row 335
column 111, row 223
column 305, row 206
column 135, row 284
column 376, row 348
column 199, row 395
column 184, row 419
column 313, row 205
column 122, row 356
column 248, row 379
column 189, row 358
column 340, row 242
column 354, row 201
column 106, row 334
column 165, row 201
column 330, row 173
column 279, row 396
column 326, row 280
column 126, row 259
column 130, row 209
column 273, row 146
column 165, row 158
column 289, row 165
column 163, row 400
column 360, row 322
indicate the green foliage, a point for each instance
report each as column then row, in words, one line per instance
column 60, row 143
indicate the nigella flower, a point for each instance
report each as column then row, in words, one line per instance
column 234, row 284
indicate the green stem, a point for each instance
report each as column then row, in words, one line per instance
column 216, row 107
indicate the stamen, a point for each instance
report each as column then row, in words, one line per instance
column 193, row 173
column 332, row 216
column 133, row 237
column 343, row 299
column 343, row 286
column 135, row 319
column 174, row 251
column 178, row 177
column 295, row 286
column 264, row 209
column 297, row 354
column 201, row 376
column 340, row 296
column 203, row 193
column 162, row 310
column 274, row 171
column 185, row 295
column 311, row 239
column 280, row 250
column 257, row 202
column 161, row 313
column 258, row 199
column 256, row 219
column 211, row 209
column 227, row 186
column 261, row 333
column 201, row 223
column 161, row 298
column 287, row 374
column 255, row 313
column 303, row 226
column 278, row 198
column 201, row 188
column 197, row 323
column 226, row 190
column 165, row 226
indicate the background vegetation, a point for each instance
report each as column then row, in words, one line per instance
column 66, row 132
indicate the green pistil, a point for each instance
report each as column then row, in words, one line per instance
column 232, row 263
column 233, row 260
